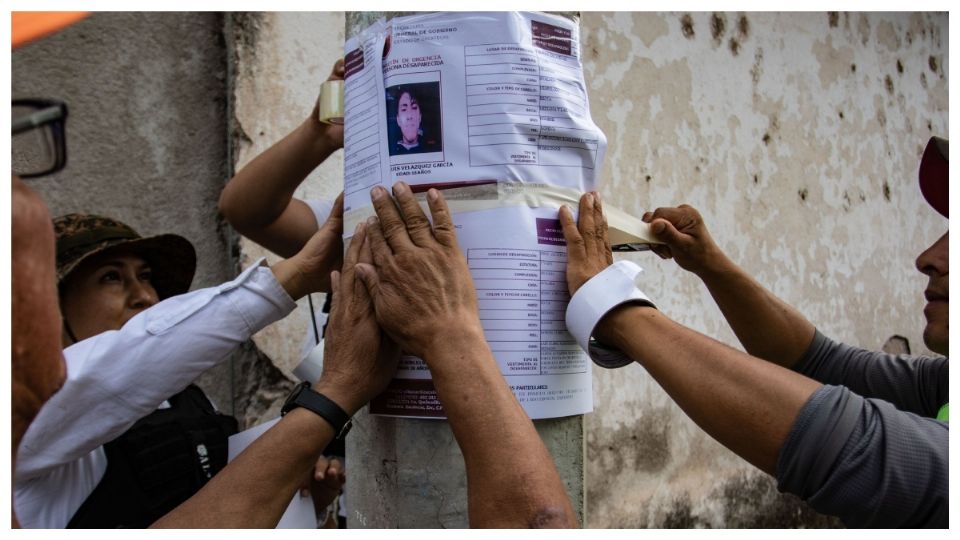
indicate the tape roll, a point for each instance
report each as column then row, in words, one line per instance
column 330, row 102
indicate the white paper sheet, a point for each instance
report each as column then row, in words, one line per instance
column 300, row 514
column 500, row 99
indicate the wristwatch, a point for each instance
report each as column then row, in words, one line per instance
column 310, row 399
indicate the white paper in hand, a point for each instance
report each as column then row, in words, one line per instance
column 300, row 513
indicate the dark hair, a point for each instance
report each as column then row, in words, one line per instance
column 401, row 90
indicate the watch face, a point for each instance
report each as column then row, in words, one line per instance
column 291, row 402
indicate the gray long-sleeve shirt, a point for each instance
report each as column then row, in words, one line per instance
column 866, row 446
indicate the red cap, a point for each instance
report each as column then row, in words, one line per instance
column 30, row 25
column 934, row 175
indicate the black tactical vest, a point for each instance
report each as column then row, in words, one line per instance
column 158, row 463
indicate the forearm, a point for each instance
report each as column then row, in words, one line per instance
column 747, row 405
column 511, row 478
column 766, row 326
column 261, row 191
column 254, row 490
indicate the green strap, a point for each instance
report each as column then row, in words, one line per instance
column 944, row 413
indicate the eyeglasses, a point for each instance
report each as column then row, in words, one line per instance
column 39, row 145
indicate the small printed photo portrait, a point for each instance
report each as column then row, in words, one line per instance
column 414, row 118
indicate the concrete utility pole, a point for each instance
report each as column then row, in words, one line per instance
column 409, row 473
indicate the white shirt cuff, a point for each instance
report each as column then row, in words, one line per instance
column 612, row 287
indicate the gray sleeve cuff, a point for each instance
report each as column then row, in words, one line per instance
column 815, row 354
column 867, row 462
column 828, row 418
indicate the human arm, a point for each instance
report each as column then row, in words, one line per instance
column 258, row 201
column 918, row 384
column 254, row 489
column 36, row 362
column 746, row 404
column 867, row 462
column 767, row 327
column 857, row 458
column 425, row 299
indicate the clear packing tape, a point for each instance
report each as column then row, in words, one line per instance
column 626, row 232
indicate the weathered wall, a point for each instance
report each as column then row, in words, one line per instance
column 798, row 137
column 279, row 61
column 146, row 139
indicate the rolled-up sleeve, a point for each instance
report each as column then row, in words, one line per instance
column 867, row 462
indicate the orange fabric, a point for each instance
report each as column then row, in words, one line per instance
column 31, row 25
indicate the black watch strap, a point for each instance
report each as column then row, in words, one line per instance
column 308, row 398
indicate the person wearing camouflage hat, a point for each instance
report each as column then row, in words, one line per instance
column 107, row 272
column 127, row 438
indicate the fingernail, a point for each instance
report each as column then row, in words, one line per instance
column 372, row 221
column 377, row 193
column 433, row 194
column 597, row 195
column 400, row 187
column 589, row 199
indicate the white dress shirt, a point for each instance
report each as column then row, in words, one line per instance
column 120, row 376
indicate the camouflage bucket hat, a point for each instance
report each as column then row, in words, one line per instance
column 171, row 257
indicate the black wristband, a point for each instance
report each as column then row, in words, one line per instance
column 308, row 398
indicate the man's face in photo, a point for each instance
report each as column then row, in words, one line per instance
column 408, row 118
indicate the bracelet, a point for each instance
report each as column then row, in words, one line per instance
column 612, row 287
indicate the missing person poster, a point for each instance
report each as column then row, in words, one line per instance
column 492, row 109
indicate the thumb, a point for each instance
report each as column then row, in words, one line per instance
column 368, row 275
column 664, row 231
column 334, row 222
